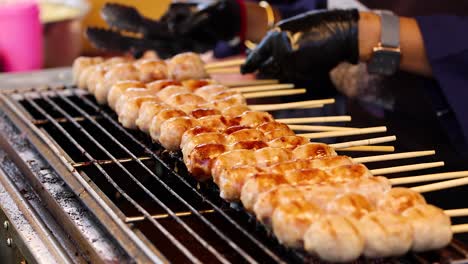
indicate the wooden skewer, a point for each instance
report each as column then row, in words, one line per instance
column 224, row 70
column 250, row 83
column 441, row 185
column 258, row 88
column 272, row 107
column 463, row 228
column 273, row 93
column 412, row 167
column 395, row 156
column 225, row 63
column 360, row 131
column 363, row 142
column 369, row 148
column 429, row 177
column 319, row 128
column 457, row 212
column 318, row 119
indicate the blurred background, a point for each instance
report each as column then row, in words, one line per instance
column 52, row 30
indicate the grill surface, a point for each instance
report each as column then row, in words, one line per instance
column 171, row 217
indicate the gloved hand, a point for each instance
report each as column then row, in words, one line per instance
column 213, row 20
column 307, row 46
column 186, row 26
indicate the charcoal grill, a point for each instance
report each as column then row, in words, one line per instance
column 138, row 198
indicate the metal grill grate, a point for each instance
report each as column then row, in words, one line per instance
column 150, row 190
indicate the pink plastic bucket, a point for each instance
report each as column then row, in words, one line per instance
column 20, row 36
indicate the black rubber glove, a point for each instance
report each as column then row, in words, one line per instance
column 215, row 19
column 190, row 26
column 307, row 46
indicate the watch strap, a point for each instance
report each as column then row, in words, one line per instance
column 390, row 33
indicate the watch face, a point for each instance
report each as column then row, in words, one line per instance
column 385, row 62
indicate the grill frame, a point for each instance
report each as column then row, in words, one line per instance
column 136, row 245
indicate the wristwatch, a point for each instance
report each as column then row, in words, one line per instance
column 385, row 58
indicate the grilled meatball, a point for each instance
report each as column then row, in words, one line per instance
column 204, row 138
column 129, row 94
column 94, row 77
column 350, row 205
column 285, row 194
column 148, row 110
column 397, row 200
column 372, row 188
column 347, row 173
column 254, row 119
column 223, row 94
column 129, row 111
column 209, row 90
column 201, row 160
column 277, row 133
column 268, row 156
column 224, row 103
column 231, row 181
column 335, row 238
column 119, row 88
column 244, row 135
column 271, row 126
column 202, row 112
column 195, row 84
column 231, row 159
column 171, row 90
column 290, row 221
column 105, row 66
column 326, row 163
column 235, row 110
column 248, row 144
column 218, row 122
column 288, row 142
column 313, row 150
column 179, row 99
column 151, row 70
column 119, row 72
column 186, row 66
column 386, row 234
column 196, row 130
column 258, row 184
column 159, row 85
column 160, row 118
column 171, row 131
column 307, row 176
column 431, row 226
column 80, row 64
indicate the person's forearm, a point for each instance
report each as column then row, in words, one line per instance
column 257, row 21
column 413, row 54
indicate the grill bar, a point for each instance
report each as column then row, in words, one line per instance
column 104, row 162
column 275, row 257
column 177, row 243
column 161, row 216
column 39, row 122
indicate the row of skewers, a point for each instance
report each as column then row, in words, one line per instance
column 330, row 205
